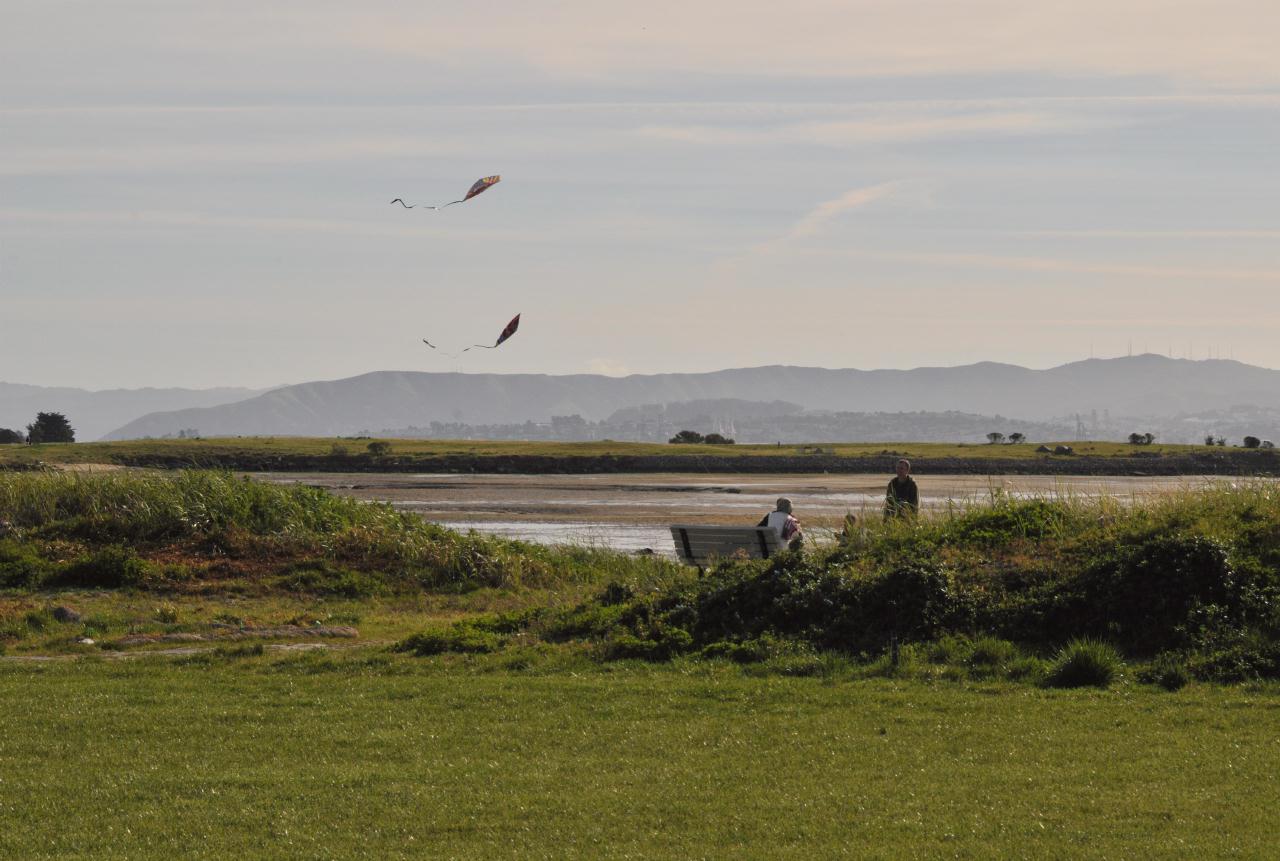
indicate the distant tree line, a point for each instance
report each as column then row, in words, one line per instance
column 48, row 427
column 695, row 438
column 995, row 438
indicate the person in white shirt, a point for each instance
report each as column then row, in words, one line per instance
column 786, row 525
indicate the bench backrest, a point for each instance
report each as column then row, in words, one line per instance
column 699, row 545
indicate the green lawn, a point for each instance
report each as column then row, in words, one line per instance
column 369, row 756
column 200, row 450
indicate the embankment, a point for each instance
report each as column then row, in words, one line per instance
column 1239, row 462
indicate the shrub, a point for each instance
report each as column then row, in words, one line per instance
column 1084, row 662
column 685, row 437
column 324, row 578
column 20, row 567
column 1252, row 442
column 112, row 567
column 990, row 652
column 379, row 448
column 460, row 638
column 1168, row 671
column 1151, row 587
column 1006, row 520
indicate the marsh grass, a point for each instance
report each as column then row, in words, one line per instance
column 230, row 452
column 1085, row 662
column 163, row 530
column 997, row 587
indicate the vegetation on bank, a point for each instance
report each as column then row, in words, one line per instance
column 208, row 531
column 356, row 453
column 1062, row 590
column 1055, row 590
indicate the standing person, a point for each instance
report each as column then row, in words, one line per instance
column 902, row 498
column 782, row 522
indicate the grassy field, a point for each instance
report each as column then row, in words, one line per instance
column 196, row 451
column 901, row 694
column 375, row 756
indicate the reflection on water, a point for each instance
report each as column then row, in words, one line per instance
column 632, row 512
column 606, row 536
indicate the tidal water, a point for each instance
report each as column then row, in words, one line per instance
column 632, row 512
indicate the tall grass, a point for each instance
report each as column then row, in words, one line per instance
column 1195, row 574
column 240, row 517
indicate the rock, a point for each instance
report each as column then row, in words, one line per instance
column 65, row 614
column 1063, row 449
column 85, row 641
column 1044, row 449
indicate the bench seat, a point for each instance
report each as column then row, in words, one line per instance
column 701, row 544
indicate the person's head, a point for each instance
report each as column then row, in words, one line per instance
column 784, row 504
column 904, row 467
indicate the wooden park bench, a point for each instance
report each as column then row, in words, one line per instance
column 700, row 545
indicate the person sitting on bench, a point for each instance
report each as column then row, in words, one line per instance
column 782, row 521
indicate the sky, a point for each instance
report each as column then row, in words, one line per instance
column 197, row 194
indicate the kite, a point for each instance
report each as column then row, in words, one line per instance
column 507, row 332
column 477, row 187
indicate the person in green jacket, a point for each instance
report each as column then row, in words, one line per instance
column 902, row 498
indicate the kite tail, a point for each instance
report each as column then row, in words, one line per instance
column 450, row 203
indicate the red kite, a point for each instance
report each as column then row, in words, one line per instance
column 478, row 186
column 506, row 333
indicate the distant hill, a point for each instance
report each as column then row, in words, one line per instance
column 1146, row 385
column 93, row 414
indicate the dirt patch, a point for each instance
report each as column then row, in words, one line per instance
column 280, row 632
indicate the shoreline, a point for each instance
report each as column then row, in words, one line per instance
column 1232, row 463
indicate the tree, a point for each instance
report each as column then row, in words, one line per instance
column 50, row 427
column 1017, row 438
column 995, row 437
column 1141, row 438
column 10, row 436
column 1148, row 438
column 1252, row 442
column 1208, row 440
column 378, row 448
column 717, row 439
column 687, row 437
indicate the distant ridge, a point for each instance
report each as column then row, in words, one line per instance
column 1145, row 385
column 94, row 413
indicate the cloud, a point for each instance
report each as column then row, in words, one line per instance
column 608, row 367
column 1049, row 264
column 816, row 218
column 885, row 128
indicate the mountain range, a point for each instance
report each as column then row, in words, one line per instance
column 1109, row 397
column 1138, row 386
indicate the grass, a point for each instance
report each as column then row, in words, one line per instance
column 1194, row 574
column 575, row 703
column 369, row 756
column 193, row 529
column 227, row 451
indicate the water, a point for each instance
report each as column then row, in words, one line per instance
column 633, row 512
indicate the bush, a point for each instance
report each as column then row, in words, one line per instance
column 1150, row 589
column 379, row 448
column 686, row 437
column 324, row 578
column 112, row 567
column 1083, row 663
column 1168, row 671
column 992, row 652
column 461, row 638
column 20, row 567
column 1252, row 442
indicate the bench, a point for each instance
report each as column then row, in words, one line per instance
column 700, row 545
